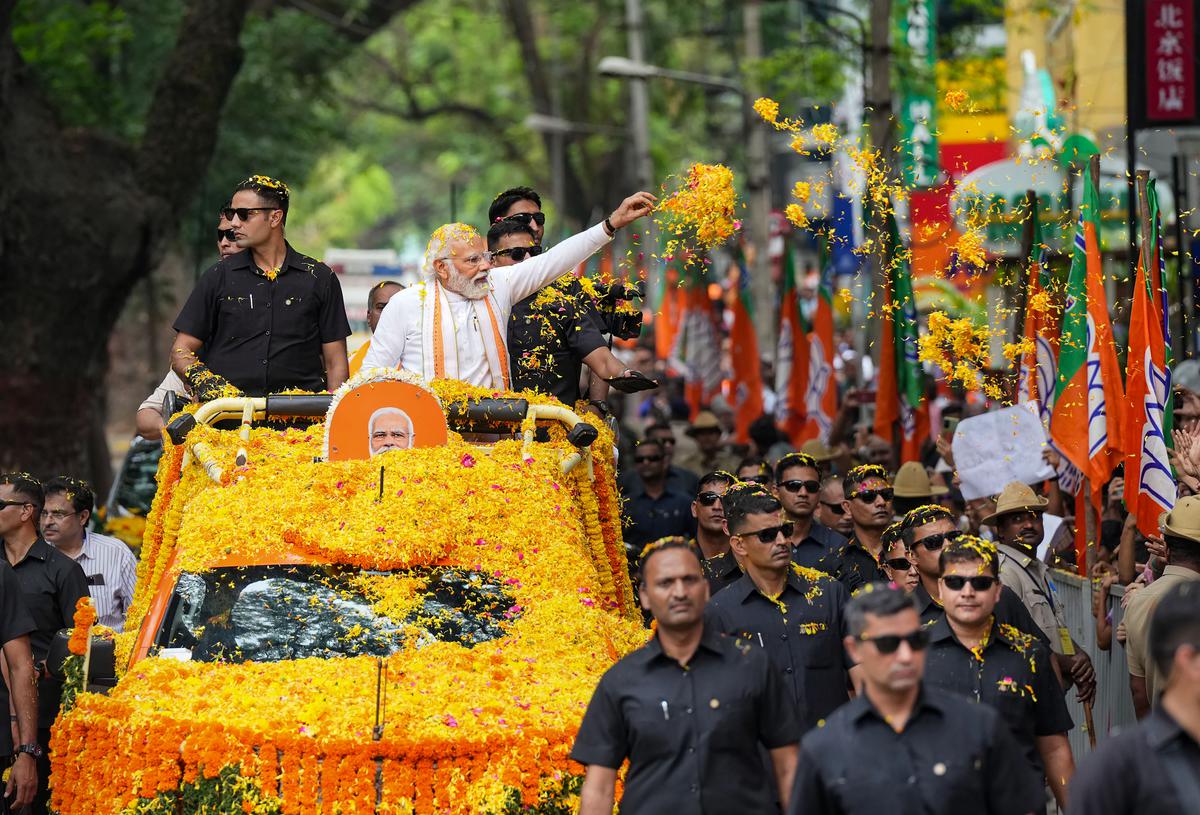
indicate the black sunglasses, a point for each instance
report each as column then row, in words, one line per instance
column 5, row 504
column 795, row 485
column 644, row 459
column 836, row 509
column 890, row 643
column 757, row 479
column 934, row 542
column 707, row 498
column 226, row 235
column 980, row 582
column 538, row 218
column 769, row 534
column 243, row 213
column 897, row 564
column 519, row 253
column 869, row 496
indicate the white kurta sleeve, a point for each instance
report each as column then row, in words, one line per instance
column 525, row 278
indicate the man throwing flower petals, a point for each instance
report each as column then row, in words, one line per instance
column 453, row 325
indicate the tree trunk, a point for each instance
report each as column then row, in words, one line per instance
column 83, row 219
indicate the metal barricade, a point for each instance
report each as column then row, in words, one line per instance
column 1113, row 708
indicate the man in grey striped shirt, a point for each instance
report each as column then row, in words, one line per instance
column 110, row 567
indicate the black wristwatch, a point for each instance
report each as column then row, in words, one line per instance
column 32, row 749
column 602, row 406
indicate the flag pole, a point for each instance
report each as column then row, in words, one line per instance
column 1021, row 305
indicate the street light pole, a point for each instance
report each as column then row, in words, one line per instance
column 758, row 193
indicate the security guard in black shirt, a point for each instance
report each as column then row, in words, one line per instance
column 794, row 613
column 1154, row 767
column 925, row 531
column 720, row 566
column 689, row 710
column 900, row 747
column 798, row 486
column 266, row 319
column 869, row 504
column 993, row 663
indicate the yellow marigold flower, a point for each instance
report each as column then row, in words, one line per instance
column 957, row 100
column 1014, row 351
column 768, row 109
column 1039, row 302
column 846, row 295
column 802, row 191
column 969, row 247
column 795, row 214
column 825, row 134
column 704, row 205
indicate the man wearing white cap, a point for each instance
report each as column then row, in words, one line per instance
column 1018, row 525
column 1181, row 531
column 453, row 325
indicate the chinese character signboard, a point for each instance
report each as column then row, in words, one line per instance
column 917, row 92
column 1162, row 62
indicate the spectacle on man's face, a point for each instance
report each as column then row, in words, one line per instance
column 514, row 248
column 798, row 489
column 391, row 431
column 463, row 267
column 226, row 238
column 870, row 503
column 900, row 569
column 527, row 207
column 928, row 541
column 707, row 509
column 831, row 509
column 650, row 460
column 885, row 651
column 260, row 216
column 59, row 519
column 969, row 592
column 764, row 540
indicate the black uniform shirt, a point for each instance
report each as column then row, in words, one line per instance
column 819, row 550
column 1009, row 609
column 856, row 566
column 1131, row 774
column 721, row 571
column 648, row 519
column 1013, row 677
column 952, row 758
column 548, row 340
column 691, row 735
column 15, row 622
column 804, row 642
column 263, row 335
column 51, row 583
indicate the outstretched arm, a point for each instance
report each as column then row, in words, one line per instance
column 527, row 277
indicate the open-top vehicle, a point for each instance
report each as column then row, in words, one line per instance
column 316, row 630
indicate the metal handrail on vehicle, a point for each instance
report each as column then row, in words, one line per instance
column 496, row 415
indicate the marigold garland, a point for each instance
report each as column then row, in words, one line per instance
column 482, row 729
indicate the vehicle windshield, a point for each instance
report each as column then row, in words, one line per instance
column 272, row 613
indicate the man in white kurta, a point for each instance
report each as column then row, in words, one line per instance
column 453, row 324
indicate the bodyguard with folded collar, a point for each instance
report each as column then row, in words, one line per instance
column 689, row 710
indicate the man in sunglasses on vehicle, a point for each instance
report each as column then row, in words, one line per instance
column 992, row 663
column 899, row 746
column 925, row 531
column 798, row 486
column 267, row 318
column 1019, row 531
column 795, row 614
column 555, row 331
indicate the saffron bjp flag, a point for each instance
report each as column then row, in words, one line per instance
column 791, row 359
column 671, row 303
column 746, row 395
column 1086, row 424
column 821, row 396
column 1149, row 485
column 901, row 390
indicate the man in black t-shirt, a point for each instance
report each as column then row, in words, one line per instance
column 266, row 319
column 50, row 584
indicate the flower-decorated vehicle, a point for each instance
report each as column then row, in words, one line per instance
column 323, row 626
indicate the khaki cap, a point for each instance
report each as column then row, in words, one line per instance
column 705, row 420
column 817, row 449
column 1184, row 520
column 912, row 481
column 1016, row 497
